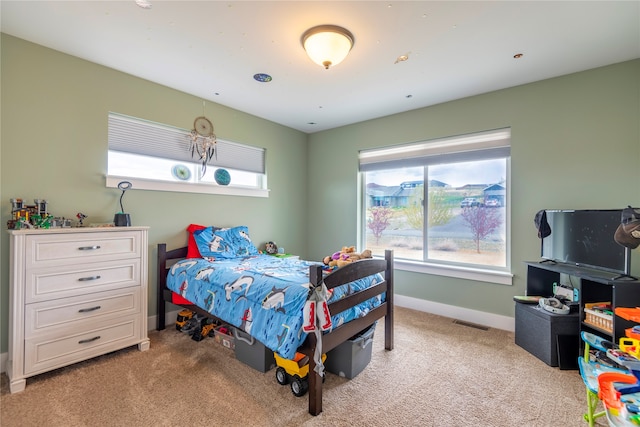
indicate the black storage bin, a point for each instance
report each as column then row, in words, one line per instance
column 352, row 356
column 545, row 334
column 252, row 352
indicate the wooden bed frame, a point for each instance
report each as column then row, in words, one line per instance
column 331, row 339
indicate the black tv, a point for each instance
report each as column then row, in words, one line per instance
column 584, row 238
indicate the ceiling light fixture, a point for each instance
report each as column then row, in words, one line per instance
column 327, row 45
column 145, row 4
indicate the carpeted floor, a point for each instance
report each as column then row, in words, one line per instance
column 440, row 374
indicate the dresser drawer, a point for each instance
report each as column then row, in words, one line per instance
column 70, row 314
column 43, row 353
column 56, row 249
column 67, row 281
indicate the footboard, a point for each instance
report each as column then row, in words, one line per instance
column 340, row 334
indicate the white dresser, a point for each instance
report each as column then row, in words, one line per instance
column 74, row 293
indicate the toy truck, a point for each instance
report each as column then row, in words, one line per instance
column 295, row 372
column 206, row 329
column 182, row 318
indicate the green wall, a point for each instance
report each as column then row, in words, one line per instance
column 575, row 145
column 54, row 147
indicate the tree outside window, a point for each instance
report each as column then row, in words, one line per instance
column 452, row 232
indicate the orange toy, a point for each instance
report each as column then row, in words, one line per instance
column 608, row 394
column 629, row 313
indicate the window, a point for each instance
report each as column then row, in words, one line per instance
column 154, row 156
column 441, row 204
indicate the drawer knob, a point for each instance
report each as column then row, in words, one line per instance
column 86, row 279
column 87, row 310
column 89, row 248
column 88, row 340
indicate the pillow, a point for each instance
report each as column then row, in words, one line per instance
column 225, row 242
column 192, row 247
column 179, row 299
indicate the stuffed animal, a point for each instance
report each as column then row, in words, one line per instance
column 345, row 256
column 271, row 248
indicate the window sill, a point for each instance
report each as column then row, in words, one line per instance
column 469, row 273
column 182, row 187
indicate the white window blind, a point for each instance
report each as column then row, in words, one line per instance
column 137, row 136
column 463, row 148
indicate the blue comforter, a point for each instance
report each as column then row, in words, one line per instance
column 262, row 295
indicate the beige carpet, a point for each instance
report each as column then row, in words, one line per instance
column 439, row 374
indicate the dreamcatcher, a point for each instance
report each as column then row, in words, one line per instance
column 202, row 141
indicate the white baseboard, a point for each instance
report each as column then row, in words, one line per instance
column 3, row 362
column 169, row 319
column 473, row 316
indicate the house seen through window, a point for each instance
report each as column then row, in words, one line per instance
column 439, row 202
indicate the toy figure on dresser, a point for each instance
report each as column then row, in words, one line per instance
column 81, row 218
column 33, row 216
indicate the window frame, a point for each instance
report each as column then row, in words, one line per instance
column 476, row 272
column 131, row 135
column 186, row 187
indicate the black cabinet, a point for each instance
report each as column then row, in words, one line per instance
column 594, row 287
column 552, row 338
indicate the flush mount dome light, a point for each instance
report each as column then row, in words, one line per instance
column 327, row 45
column 145, row 4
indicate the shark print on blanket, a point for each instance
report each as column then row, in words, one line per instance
column 204, row 274
column 275, row 299
column 210, row 301
column 244, row 281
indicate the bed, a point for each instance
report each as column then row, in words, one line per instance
column 264, row 288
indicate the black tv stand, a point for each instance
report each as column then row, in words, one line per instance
column 594, row 286
column 548, row 261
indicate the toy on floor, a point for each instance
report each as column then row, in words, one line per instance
column 618, row 411
column 183, row 318
column 611, row 375
column 592, row 364
column 294, row 372
column 206, row 329
column 196, row 325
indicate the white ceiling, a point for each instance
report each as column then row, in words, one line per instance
column 212, row 49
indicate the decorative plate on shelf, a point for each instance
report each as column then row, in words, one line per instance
column 181, row 172
column 222, row 177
